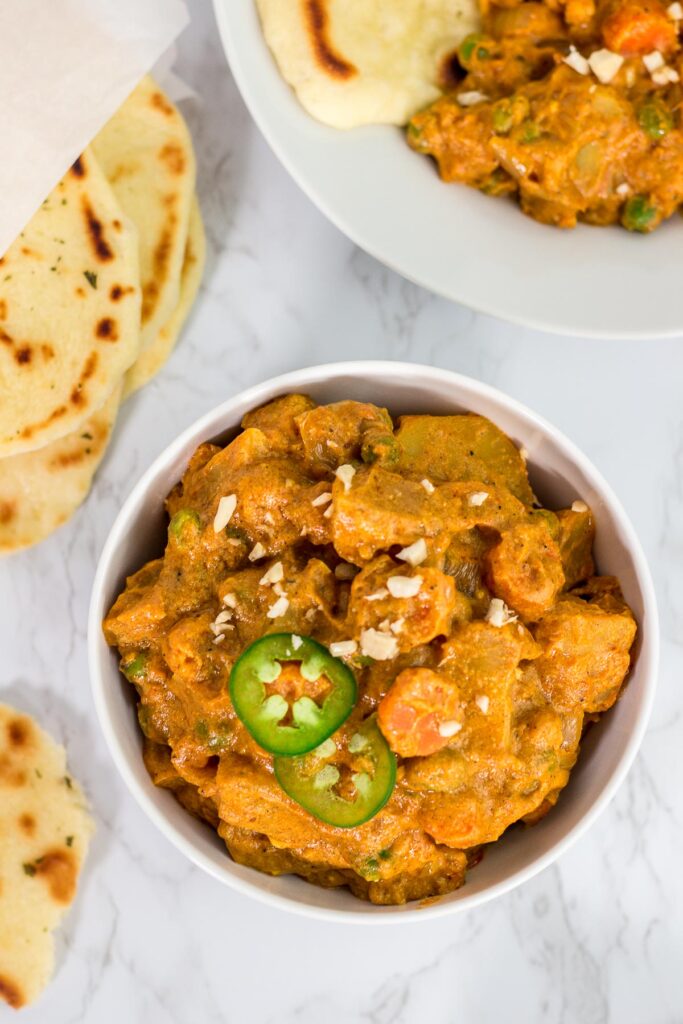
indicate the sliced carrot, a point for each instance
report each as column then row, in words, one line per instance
column 638, row 27
column 420, row 714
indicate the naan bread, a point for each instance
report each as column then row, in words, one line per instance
column 42, row 489
column 69, row 311
column 146, row 153
column 45, row 830
column 355, row 62
column 153, row 358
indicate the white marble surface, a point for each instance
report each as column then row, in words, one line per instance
column 596, row 939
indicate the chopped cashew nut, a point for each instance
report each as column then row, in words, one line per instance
column 346, row 474
column 343, row 648
column 448, row 729
column 278, row 609
column 258, row 551
column 273, row 575
column 499, row 614
column 415, row 553
column 224, row 512
column 404, row 586
column 379, row 646
column 478, row 498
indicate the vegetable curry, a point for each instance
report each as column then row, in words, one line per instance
column 572, row 106
column 367, row 649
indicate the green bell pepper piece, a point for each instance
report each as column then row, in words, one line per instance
column 310, row 780
column 262, row 714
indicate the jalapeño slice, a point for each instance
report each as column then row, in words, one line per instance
column 316, row 783
column 299, row 664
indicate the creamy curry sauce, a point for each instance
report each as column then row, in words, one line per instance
column 571, row 106
column 480, row 640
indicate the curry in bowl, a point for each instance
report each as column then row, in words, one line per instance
column 367, row 649
column 571, row 106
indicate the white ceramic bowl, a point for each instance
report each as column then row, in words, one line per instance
column 459, row 243
column 560, row 474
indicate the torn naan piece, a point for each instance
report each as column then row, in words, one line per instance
column 45, row 830
column 69, row 311
column 356, row 62
column 146, row 153
column 41, row 490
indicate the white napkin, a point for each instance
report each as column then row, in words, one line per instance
column 65, row 68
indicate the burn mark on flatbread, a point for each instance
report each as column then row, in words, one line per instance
column 18, row 732
column 162, row 254
column 29, row 430
column 107, row 329
column 95, row 440
column 27, row 824
column 77, row 396
column 95, row 230
column 315, row 15
column 8, row 511
column 59, row 869
column 11, row 993
column 3, row 309
column 174, row 158
column 10, row 775
column 23, row 353
column 77, row 168
column 118, row 292
column 159, row 102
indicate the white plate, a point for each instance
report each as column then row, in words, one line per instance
column 469, row 247
column 559, row 473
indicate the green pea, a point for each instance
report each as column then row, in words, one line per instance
column 502, row 118
column 638, row 214
column 369, row 870
column 382, row 449
column 468, row 46
column 135, row 668
column 530, row 132
column 183, row 518
column 655, row 118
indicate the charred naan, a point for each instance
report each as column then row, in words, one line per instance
column 45, row 830
column 355, row 62
column 41, row 490
column 151, row 360
column 69, row 311
column 146, row 153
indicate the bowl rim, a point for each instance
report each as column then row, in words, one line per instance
column 211, row 424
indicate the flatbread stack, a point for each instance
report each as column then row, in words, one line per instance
column 45, row 830
column 357, row 62
column 93, row 295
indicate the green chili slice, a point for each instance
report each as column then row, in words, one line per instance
column 264, row 713
column 316, row 781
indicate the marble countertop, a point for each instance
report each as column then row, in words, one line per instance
column 597, row 938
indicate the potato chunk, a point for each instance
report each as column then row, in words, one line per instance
column 585, row 653
column 416, row 619
column 459, row 448
column 335, row 434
